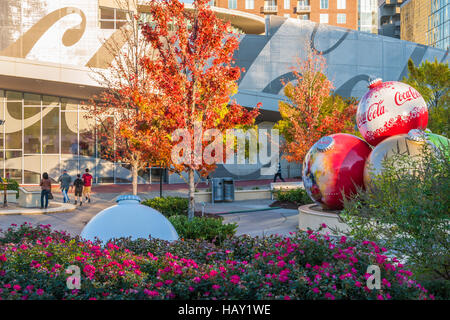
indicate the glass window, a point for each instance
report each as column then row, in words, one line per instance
column 32, row 130
column 123, row 173
column 287, row 4
column 13, row 165
column 50, row 164
column 87, row 135
column 157, row 174
column 121, row 15
column 32, row 169
column 69, row 104
column 13, row 125
column 69, row 134
column 106, row 24
column 13, row 95
column 2, row 118
column 232, row 4
column 2, row 164
column 50, row 130
column 341, row 4
column 31, row 100
column 341, row 18
column 249, row 4
column 107, row 13
column 324, row 18
column 323, row 4
column 111, row 18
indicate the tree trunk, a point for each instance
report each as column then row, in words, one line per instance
column 135, row 178
column 191, row 208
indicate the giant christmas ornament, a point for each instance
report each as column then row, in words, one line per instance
column 390, row 108
column 333, row 165
column 129, row 219
column 441, row 143
column 411, row 144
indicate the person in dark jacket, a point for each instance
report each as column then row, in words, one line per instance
column 46, row 188
column 65, row 181
column 78, row 185
column 278, row 174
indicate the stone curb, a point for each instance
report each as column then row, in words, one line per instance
column 64, row 207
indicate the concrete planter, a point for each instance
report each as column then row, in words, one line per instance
column 312, row 216
column 238, row 195
column 10, row 196
column 29, row 199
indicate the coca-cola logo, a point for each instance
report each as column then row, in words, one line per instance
column 374, row 111
column 402, row 97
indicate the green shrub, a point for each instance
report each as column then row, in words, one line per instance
column 211, row 229
column 297, row 196
column 168, row 206
column 407, row 210
column 12, row 185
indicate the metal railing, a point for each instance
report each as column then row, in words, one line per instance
column 302, row 7
column 271, row 8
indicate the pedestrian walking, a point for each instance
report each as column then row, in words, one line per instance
column 87, row 179
column 65, row 181
column 78, row 185
column 278, row 174
column 46, row 189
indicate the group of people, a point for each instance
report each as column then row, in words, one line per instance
column 81, row 185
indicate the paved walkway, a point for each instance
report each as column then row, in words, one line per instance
column 256, row 220
column 253, row 222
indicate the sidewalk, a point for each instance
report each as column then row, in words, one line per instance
column 120, row 188
column 252, row 221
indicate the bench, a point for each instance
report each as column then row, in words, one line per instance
column 282, row 186
column 29, row 199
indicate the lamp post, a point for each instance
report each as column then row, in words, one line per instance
column 5, row 192
column 4, row 182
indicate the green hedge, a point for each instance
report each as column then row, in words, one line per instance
column 12, row 185
column 297, row 196
column 176, row 209
column 211, row 229
column 168, row 206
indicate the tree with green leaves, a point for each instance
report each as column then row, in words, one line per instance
column 432, row 80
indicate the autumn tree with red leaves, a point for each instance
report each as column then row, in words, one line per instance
column 193, row 70
column 127, row 132
column 312, row 110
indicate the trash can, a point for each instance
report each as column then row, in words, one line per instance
column 217, row 189
column 228, row 189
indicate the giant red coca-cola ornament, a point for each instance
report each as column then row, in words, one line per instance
column 334, row 165
column 388, row 109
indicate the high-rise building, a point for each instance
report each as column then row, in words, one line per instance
column 341, row 13
column 439, row 24
column 414, row 20
column 368, row 16
column 389, row 17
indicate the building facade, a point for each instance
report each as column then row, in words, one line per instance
column 368, row 16
column 414, row 15
column 389, row 17
column 439, row 24
column 340, row 13
column 48, row 49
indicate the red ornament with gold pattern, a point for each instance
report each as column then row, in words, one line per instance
column 335, row 166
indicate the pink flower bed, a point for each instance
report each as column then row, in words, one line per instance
column 33, row 263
